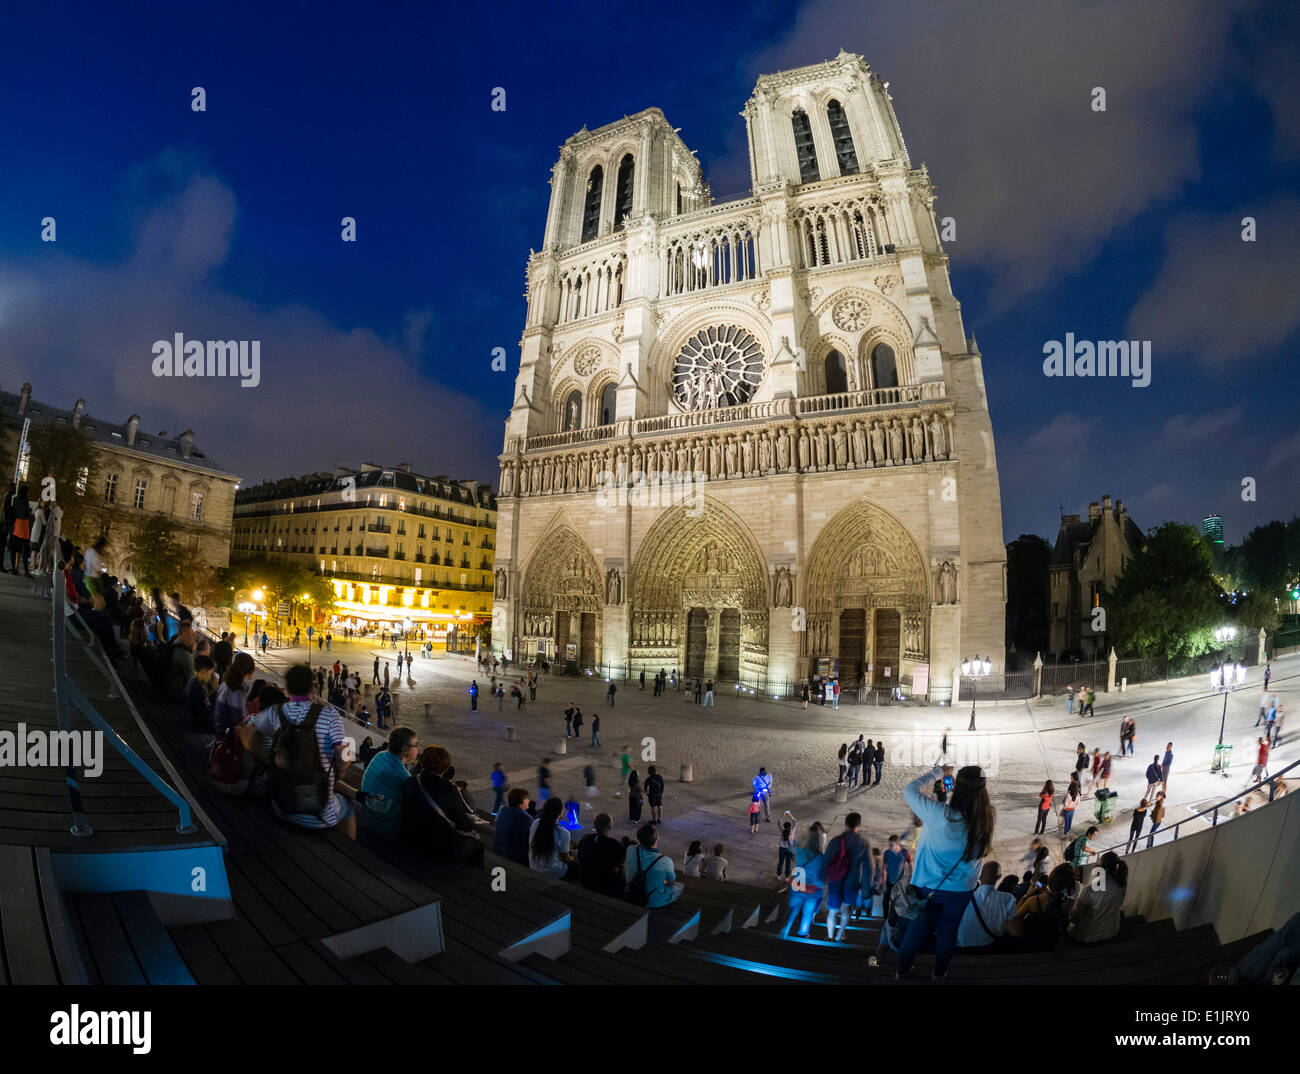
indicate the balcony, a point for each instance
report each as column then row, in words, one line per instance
column 399, row 555
column 379, row 527
column 377, row 553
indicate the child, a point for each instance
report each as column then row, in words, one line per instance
column 755, row 810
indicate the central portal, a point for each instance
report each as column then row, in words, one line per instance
column 853, row 629
column 697, row 641
column 888, row 628
column 729, row 644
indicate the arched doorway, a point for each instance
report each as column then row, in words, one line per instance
column 558, row 613
column 699, row 597
column 866, row 591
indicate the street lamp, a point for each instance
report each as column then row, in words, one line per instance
column 248, row 609
column 975, row 670
column 406, row 637
column 1224, row 679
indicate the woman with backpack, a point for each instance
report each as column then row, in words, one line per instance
column 1045, row 798
column 954, row 838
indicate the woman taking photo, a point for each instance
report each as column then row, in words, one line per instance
column 954, row 838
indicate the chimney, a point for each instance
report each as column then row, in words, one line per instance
column 24, row 399
column 406, row 466
column 187, row 443
column 132, row 427
column 1121, row 510
column 78, row 409
column 1105, row 502
column 1094, row 511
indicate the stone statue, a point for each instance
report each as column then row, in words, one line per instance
column 877, row 443
column 501, row 584
column 781, row 588
column 803, row 449
column 896, row 441
column 683, row 458
column 918, row 439
column 620, row 472
column 573, row 414
column 747, row 454
column 613, row 587
column 507, row 479
column 730, row 452
column 571, row 474
column 859, row 445
column 783, row 451
column 840, row 442
column 765, row 453
column 715, row 458
column 947, row 587
column 698, row 448
column 819, row 444
column 583, row 462
column 938, row 441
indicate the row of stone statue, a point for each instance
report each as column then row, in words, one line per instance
column 655, row 628
column 819, row 636
column 717, row 456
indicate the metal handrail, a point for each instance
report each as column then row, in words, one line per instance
column 1214, row 809
column 66, row 690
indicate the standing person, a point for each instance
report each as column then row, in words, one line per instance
column 1268, row 674
column 708, row 692
column 568, row 720
column 626, row 764
column 642, row 680
column 755, row 814
column 654, row 792
column 609, row 694
column 1135, row 827
column 544, row 780
column 265, row 641
column 842, row 759
column 1104, row 778
column 1260, row 771
column 763, row 788
column 806, row 896
column 501, row 696
column 954, row 839
column 835, row 698
column 1080, row 763
column 879, row 761
column 20, row 532
column 843, row 873
column 577, row 723
column 1263, row 704
column 1069, row 700
column 374, row 675
column 473, row 695
column 856, row 757
column 532, row 687
column 693, row 860
column 1095, row 772
column 786, row 851
column 1157, row 818
column 1070, row 804
column 1271, row 719
column 699, row 690
column 1045, row 798
column 595, row 729
column 803, row 694
column 634, row 797
column 386, row 673
column 897, row 858
column 1155, row 776
column 1077, row 852
column 500, row 783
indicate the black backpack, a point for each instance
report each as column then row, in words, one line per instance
column 637, row 892
column 299, row 782
column 1069, row 851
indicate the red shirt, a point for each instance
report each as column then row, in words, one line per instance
column 1044, row 800
column 1263, row 753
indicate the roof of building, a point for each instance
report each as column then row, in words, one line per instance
column 1076, row 536
column 371, row 476
column 113, row 434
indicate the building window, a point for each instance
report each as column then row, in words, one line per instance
column 623, row 191
column 420, row 534
column 837, row 374
column 196, row 506
column 884, row 370
column 608, row 402
column 804, row 149
column 842, row 138
column 110, row 488
column 591, row 205
column 141, row 485
column 572, row 416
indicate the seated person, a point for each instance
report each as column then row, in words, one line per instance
column 601, row 859
column 1041, row 917
column 367, row 750
column 434, row 819
column 990, row 906
column 549, row 842
column 199, row 693
column 661, row 883
column 715, row 865
column 379, row 805
column 510, row 838
column 1097, row 913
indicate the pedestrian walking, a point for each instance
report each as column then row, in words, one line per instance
column 699, row 690
column 1264, row 700
column 1270, row 719
column 386, row 674
column 1095, row 772
column 609, row 694
column 1260, row 771
column 1045, row 798
column 595, row 729
column 500, row 782
column 634, row 797
column 1070, row 804
column 1157, row 817
column 1268, row 674
column 654, row 792
column 1135, row 827
column 532, row 687
column 1080, row 762
column 642, row 677
column 1155, row 777
column 501, row 697
column 879, row 761
column 1069, row 700
column 843, row 759
column 1105, row 770
column 625, row 763
column 473, row 695
column 843, row 873
column 755, row 814
column 1092, row 696
column 803, row 694
column 374, row 676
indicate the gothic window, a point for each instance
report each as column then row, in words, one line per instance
column 804, row 149
column 623, row 192
column 607, row 404
column 572, row 418
column 884, row 370
column 679, row 199
column 842, row 138
column 717, row 367
column 837, row 374
column 591, row 207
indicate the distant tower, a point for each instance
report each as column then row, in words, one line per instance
column 1212, row 529
column 750, row 440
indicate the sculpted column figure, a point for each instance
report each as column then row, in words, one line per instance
column 765, row 453
column 918, row 439
column 733, row 469
column 583, row 463
column 840, row 442
column 747, row 454
column 783, row 451
column 804, row 454
column 819, row 445
column 507, row 479
column 938, row 442
column 715, row 458
column 877, row 444
column 697, row 446
column 895, row 442
column 859, row 445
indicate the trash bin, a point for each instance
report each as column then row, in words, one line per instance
column 1105, row 808
column 1222, row 758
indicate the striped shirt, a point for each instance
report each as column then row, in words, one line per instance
column 329, row 734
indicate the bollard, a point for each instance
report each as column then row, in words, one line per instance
column 841, row 793
column 688, row 773
column 562, row 748
column 510, row 733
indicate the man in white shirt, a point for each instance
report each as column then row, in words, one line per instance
column 988, row 911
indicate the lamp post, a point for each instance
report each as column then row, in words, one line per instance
column 975, row 670
column 406, row 637
column 1224, row 679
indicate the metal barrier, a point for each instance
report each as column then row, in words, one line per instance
column 65, row 691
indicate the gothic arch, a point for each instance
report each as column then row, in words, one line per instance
column 561, row 586
column 559, row 398
column 814, row 376
column 595, row 391
column 904, row 360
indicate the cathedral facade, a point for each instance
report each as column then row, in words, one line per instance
column 750, row 439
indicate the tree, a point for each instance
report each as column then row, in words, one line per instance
column 1254, row 610
column 1166, row 603
column 155, row 556
column 68, row 455
column 1262, row 557
column 1028, row 559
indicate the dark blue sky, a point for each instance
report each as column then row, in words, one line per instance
column 225, row 224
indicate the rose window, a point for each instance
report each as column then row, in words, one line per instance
column 717, row 367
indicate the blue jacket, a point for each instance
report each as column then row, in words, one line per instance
column 510, row 838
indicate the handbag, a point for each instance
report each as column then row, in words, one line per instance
column 225, row 764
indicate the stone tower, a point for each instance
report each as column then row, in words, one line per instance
column 749, row 439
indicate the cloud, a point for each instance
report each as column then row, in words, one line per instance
column 1218, row 299
column 328, row 393
column 1064, row 434
column 1284, row 451
column 1196, row 428
column 996, row 98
